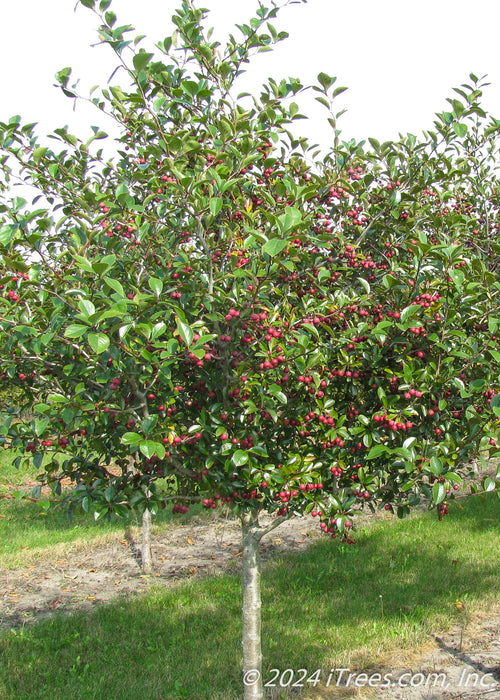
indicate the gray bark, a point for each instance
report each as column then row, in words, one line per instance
column 251, row 636
column 146, row 557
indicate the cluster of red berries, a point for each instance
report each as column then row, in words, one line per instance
column 178, row 508
column 361, row 494
column 285, row 496
column 332, row 530
column 392, row 424
column 337, row 442
column 443, row 510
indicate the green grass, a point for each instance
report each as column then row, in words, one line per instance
column 27, row 531
column 331, row 606
column 10, row 475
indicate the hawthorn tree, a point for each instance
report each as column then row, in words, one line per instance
column 221, row 314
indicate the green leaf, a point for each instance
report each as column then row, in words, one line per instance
column 185, row 332
column 150, row 448
column 156, row 285
column 121, row 192
column 409, row 311
column 7, row 233
column 115, row 285
column 97, row 136
column 41, row 425
column 275, row 390
column 84, row 264
column 325, row 80
column 364, row 284
column 274, row 246
column 75, row 331
column 158, row 329
column 38, row 153
column 239, row 457
column 460, row 129
column 438, row 493
column 458, row 277
column 290, row 219
column 99, row 342
column 18, row 203
column 489, row 484
column 141, row 60
column 495, row 401
column 86, row 307
column 323, row 101
column 118, row 93
column 131, row 439
column 378, row 450
column 215, row 205
column 435, row 466
column 110, row 18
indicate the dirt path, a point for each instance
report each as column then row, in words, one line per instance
column 460, row 667
column 453, row 669
column 83, row 578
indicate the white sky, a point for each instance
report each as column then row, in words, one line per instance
column 399, row 59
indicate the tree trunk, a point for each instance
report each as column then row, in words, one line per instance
column 251, row 535
column 251, row 637
column 146, row 558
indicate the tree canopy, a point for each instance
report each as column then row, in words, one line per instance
column 221, row 313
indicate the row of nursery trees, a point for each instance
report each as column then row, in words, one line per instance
column 223, row 310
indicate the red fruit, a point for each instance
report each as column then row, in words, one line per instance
column 224, row 436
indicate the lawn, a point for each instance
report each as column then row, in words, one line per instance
column 28, row 531
column 334, row 605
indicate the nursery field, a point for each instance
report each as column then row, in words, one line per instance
column 78, row 619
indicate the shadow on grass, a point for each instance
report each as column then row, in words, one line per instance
column 24, row 524
column 332, row 605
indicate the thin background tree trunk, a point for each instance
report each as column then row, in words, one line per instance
column 145, row 553
column 146, row 557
